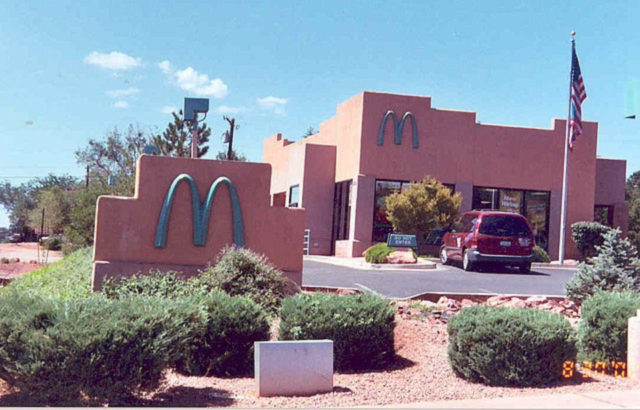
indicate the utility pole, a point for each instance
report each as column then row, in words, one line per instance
column 228, row 136
column 86, row 183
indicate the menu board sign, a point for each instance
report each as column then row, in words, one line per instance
column 510, row 200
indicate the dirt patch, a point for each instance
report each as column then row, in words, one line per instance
column 28, row 251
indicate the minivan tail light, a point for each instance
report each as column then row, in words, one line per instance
column 474, row 243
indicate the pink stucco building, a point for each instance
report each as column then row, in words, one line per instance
column 377, row 143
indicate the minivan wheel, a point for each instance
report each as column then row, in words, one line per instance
column 525, row 267
column 443, row 256
column 467, row 265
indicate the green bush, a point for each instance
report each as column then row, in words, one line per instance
column 53, row 243
column 378, row 253
column 616, row 269
column 221, row 342
column 509, row 346
column 157, row 284
column 361, row 326
column 222, row 330
column 59, row 351
column 540, row 255
column 241, row 272
column 588, row 236
column 69, row 278
column 603, row 328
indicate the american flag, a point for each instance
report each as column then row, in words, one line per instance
column 578, row 95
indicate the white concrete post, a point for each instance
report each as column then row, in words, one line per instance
column 633, row 347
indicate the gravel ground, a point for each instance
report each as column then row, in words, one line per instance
column 421, row 373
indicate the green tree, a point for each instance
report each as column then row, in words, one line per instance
column 57, row 205
column 426, row 205
column 616, row 268
column 79, row 232
column 115, row 156
column 632, row 197
column 235, row 156
column 175, row 140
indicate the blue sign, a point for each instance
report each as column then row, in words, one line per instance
column 402, row 241
column 398, row 128
column 201, row 212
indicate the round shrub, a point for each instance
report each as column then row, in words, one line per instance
column 540, row 255
column 588, row 236
column 603, row 327
column 220, row 341
column 53, row 243
column 242, row 272
column 509, row 346
column 59, row 351
column 361, row 326
column 378, row 253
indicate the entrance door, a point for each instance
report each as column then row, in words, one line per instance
column 341, row 213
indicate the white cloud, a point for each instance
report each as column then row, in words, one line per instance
column 223, row 109
column 121, row 105
column 115, row 61
column 195, row 83
column 169, row 109
column 274, row 104
column 126, row 92
column 166, row 67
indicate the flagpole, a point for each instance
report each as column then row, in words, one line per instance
column 563, row 213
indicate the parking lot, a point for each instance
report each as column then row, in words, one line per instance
column 549, row 281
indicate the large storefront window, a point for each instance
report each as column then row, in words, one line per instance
column 534, row 205
column 341, row 212
column 381, row 225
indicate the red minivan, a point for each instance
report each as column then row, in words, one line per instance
column 495, row 237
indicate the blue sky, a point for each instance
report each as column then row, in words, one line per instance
column 74, row 69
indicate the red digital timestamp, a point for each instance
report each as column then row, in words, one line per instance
column 596, row 369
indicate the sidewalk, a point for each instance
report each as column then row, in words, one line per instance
column 629, row 399
column 360, row 263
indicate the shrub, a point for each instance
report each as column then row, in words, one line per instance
column 241, row 272
column 540, row 255
column 221, row 331
column 157, row 284
column 69, row 278
column 509, row 346
column 361, row 326
column 616, row 269
column 378, row 253
column 221, row 342
column 59, row 351
column 53, row 243
column 603, row 328
column 587, row 237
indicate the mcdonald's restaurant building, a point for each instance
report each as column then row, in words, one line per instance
column 378, row 143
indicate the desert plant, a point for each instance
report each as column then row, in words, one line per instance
column 157, row 284
column 588, row 236
column 242, row 272
column 59, row 351
column 69, row 278
column 53, row 243
column 361, row 326
column 540, row 255
column 603, row 328
column 378, row 253
column 616, row 268
column 509, row 346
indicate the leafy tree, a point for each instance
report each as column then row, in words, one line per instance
column 423, row 207
column 79, row 232
column 616, row 269
column 57, row 204
column 175, row 141
column 235, row 156
column 309, row 132
column 632, row 197
column 116, row 156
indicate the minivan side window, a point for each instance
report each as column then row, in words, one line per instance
column 468, row 227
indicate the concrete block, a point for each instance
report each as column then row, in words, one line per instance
column 293, row 368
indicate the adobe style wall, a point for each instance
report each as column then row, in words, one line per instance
column 125, row 235
column 454, row 148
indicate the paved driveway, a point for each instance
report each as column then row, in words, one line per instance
column 447, row 279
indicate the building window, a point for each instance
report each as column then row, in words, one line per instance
column 341, row 212
column 603, row 214
column 534, row 205
column 294, row 196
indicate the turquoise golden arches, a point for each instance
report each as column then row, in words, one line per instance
column 398, row 128
column 201, row 212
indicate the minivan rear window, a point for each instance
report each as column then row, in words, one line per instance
column 504, row 226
